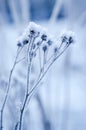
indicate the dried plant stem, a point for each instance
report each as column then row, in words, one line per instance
column 41, row 77
column 20, row 60
column 16, row 126
column 30, row 93
column 52, row 56
column 8, row 88
column 39, row 59
column 26, row 97
column 29, row 60
column 22, row 112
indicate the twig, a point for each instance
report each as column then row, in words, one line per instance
column 31, row 91
column 52, row 56
column 30, row 94
column 29, row 59
column 20, row 60
column 9, row 83
column 16, row 126
column 41, row 77
column 22, row 112
column 40, row 60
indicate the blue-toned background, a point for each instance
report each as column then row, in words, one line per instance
column 59, row 103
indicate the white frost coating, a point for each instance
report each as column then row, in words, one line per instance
column 44, row 31
column 22, row 38
column 33, row 26
column 42, row 34
column 68, row 34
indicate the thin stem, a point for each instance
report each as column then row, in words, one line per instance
column 28, row 76
column 31, row 91
column 38, row 47
column 8, row 88
column 29, row 59
column 60, row 46
column 16, row 126
column 29, row 94
column 40, row 60
column 41, row 77
column 53, row 55
column 22, row 112
column 20, row 60
column 44, row 60
column 29, row 63
column 26, row 97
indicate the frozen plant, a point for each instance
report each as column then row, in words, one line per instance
column 41, row 51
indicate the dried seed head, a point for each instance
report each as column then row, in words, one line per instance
column 55, row 50
column 64, row 39
column 44, row 37
column 68, row 37
column 19, row 44
column 45, row 47
column 33, row 29
column 38, row 43
column 71, row 40
column 49, row 42
column 25, row 42
column 22, row 40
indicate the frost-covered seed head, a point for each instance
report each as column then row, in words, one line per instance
column 19, row 44
column 22, row 40
column 71, row 40
column 44, row 37
column 64, row 39
column 49, row 42
column 55, row 50
column 38, row 43
column 33, row 29
column 39, row 37
column 44, row 48
column 68, row 37
column 25, row 42
column 32, row 32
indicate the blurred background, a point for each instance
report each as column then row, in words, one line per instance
column 59, row 103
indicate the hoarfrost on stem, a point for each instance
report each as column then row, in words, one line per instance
column 43, row 49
